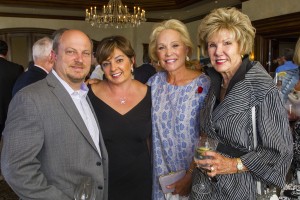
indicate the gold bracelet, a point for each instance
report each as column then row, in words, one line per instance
column 190, row 170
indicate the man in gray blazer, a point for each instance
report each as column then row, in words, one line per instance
column 52, row 138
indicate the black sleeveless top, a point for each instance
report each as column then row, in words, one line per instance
column 125, row 139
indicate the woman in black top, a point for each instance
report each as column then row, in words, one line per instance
column 123, row 108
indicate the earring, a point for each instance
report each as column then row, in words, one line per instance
column 242, row 56
column 187, row 58
column 132, row 73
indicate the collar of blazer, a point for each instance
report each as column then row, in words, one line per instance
column 68, row 105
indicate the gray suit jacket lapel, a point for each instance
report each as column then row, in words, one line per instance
column 69, row 106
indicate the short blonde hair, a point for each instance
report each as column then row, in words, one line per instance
column 296, row 57
column 172, row 24
column 230, row 19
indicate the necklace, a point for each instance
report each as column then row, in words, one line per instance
column 122, row 100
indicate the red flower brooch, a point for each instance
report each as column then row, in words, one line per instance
column 199, row 89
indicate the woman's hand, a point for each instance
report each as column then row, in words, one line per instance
column 218, row 164
column 182, row 186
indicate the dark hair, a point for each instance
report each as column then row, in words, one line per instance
column 58, row 31
column 3, row 48
column 288, row 54
column 56, row 38
column 107, row 45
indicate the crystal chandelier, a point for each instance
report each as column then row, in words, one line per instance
column 114, row 14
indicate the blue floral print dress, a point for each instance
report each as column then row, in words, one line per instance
column 175, row 124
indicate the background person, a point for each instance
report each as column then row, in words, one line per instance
column 145, row 71
column 177, row 95
column 52, row 138
column 43, row 63
column 294, row 97
column 97, row 73
column 9, row 72
column 287, row 74
column 226, row 36
column 286, row 61
column 123, row 108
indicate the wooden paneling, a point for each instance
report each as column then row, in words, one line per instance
column 20, row 41
column 270, row 32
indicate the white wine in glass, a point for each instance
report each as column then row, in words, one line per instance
column 204, row 144
column 85, row 190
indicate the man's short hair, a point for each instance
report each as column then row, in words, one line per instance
column 3, row 48
column 288, row 54
column 41, row 49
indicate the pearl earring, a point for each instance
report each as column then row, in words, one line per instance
column 187, row 58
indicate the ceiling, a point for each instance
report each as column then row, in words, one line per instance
column 156, row 10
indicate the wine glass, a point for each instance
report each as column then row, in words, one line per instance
column 204, row 144
column 85, row 190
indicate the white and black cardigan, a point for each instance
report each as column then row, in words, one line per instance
column 230, row 123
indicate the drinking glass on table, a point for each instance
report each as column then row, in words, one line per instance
column 85, row 190
column 204, row 144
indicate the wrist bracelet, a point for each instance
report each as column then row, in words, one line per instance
column 190, row 170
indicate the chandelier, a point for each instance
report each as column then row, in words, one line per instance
column 114, row 14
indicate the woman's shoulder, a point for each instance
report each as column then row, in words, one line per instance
column 202, row 78
column 98, row 88
column 157, row 78
column 258, row 76
column 261, row 83
column 139, row 87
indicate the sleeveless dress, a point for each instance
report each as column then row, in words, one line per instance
column 175, row 124
column 125, row 139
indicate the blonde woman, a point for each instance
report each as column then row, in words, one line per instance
column 238, row 85
column 177, row 95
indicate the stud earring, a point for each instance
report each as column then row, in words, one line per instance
column 187, row 58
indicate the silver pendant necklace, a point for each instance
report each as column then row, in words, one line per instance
column 122, row 100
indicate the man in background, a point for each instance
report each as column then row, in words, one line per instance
column 287, row 74
column 52, row 139
column 97, row 73
column 145, row 71
column 287, row 60
column 9, row 72
column 43, row 63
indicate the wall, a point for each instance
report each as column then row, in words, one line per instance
column 261, row 9
column 137, row 36
column 256, row 9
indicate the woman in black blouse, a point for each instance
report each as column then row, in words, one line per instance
column 123, row 108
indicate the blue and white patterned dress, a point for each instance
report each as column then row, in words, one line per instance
column 175, row 124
